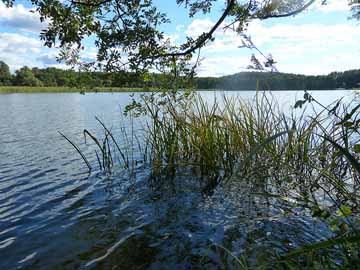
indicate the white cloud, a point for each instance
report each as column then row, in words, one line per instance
column 325, row 35
column 222, row 65
column 332, row 5
column 19, row 17
column 19, row 50
column 224, row 39
column 16, row 43
column 16, row 49
column 173, row 38
column 299, row 48
column 48, row 59
column 179, row 27
column 310, row 48
column 198, row 26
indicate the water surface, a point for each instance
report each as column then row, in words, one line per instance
column 53, row 215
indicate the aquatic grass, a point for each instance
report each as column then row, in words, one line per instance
column 306, row 159
column 215, row 138
column 231, row 139
column 322, row 245
column 78, row 150
column 109, row 133
column 108, row 148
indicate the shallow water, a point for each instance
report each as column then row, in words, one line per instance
column 53, row 215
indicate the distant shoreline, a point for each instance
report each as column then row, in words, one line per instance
column 30, row 89
column 36, row 89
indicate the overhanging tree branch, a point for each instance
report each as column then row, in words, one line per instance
column 293, row 13
column 202, row 39
column 231, row 3
column 132, row 26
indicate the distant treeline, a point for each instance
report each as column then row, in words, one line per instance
column 282, row 81
column 54, row 77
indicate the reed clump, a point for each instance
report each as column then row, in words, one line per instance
column 212, row 138
column 309, row 157
column 231, row 137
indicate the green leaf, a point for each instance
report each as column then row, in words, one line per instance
column 349, row 115
column 299, row 104
column 317, row 212
column 348, row 124
column 344, row 211
column 334, row 225
column 357, row 148
column 344, row 152
column 324, row 244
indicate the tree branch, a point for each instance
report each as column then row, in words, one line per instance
column 90, row 3
column 295, row 12
column 201, row 41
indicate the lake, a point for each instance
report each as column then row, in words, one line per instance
column 54, row 215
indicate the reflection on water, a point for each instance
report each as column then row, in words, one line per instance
column 54, row 216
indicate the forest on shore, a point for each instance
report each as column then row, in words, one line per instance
column 55, row 77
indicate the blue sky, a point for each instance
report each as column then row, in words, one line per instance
column 318, row 41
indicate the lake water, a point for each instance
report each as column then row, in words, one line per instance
column 53, row 215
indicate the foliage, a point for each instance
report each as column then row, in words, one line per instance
column 307, row 161
column 25, row 77
column 282, row 81
column 355, row 9
column 53, row 77
column 127, row 34
column 5, row 75
column 53, row 89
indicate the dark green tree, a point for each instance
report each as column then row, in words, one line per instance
column 25, row 77
column 5, row 75
column 46, row 76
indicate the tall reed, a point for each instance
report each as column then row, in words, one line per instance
column 308, row 157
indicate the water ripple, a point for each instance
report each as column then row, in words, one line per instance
column 54, row 216
column 7, row 242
